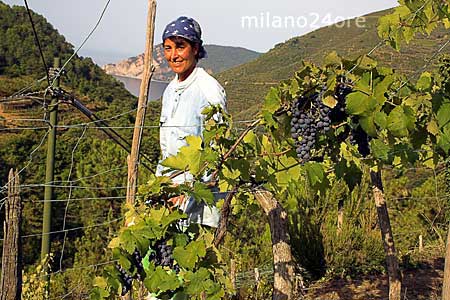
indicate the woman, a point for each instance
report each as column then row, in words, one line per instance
column 185, row 97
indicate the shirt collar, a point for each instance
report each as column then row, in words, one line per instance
column 181, row 86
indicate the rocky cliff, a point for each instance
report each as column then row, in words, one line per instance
column 219, row 59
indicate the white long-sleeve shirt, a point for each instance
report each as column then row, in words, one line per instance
column 181, row 116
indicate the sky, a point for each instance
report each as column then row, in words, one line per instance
column 253, row 24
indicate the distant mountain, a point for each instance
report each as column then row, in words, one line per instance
column 247, row 84
column 220, row 58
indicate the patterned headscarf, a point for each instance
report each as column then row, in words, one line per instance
column 186, row 28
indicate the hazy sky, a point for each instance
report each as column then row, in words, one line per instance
column 122, row 30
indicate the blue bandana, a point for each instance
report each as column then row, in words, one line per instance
column 186, row 28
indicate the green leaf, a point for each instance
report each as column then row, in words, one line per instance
column 161, row 280
column 365, row 62
column 424, row 82
column 348, row 171
column 359, row 103
column 188, row 157
column 197, row 281
column 443, row 115
column 188, row 256
column 379, row 149
column 400, row 120
column 368, row 125
column 432, row 127
column 202, row 193
column 272, row 101
column 314, row 172
column 380, row 119
column 100, row 282
column 381, row 88
column 443, row 140
column 332, row 59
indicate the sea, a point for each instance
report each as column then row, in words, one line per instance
column 133, row 84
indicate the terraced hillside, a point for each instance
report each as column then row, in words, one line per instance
column 247, row 84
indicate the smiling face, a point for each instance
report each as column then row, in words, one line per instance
column 181, row 56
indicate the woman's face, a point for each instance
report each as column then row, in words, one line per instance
column 181, row 56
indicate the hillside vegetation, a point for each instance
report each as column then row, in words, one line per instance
column 247, row 84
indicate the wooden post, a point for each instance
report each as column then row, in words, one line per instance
column 133, row 160
column 393, row 269
column 233, row 273
column 340, row 217
column 142, row 105
column 283, row 288
column 11, row 276
column 420, row 243
column 446, row 281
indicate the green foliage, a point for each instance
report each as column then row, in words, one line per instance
column 199, row 274
column 412, row 17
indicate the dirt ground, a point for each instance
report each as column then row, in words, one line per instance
column 421, row 283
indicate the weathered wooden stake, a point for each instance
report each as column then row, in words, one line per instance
column 233, row 273
column 133, row 160
column 393, row 270
column 142, row 105
column 283, row 288
column 420, row 243
column 11, row 275
column 446, row 281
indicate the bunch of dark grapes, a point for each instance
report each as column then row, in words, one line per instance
column 338, row 113
column 126, row 280
column 162, row 255
column 310, row 116
column 138, row 263
column 360, row 138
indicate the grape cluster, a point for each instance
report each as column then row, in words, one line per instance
column 126, row 280
column 338, row 113
column 360, row 138
column 138, row 263
column 162, row 255
column 310, row 116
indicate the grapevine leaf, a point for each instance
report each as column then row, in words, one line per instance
column 330, row 101
column 272, row 101
column 349, row 172
column 314, row 172
column 379, row 149
column 202, row 193
column 188, row 157
column 380, row 119
column 424, row 82
column 100, row 282
column 201, row 283
column 381, row 88
column 363, row 84
column 365, row 62
column 294, row 88
column 408, row 33
column 161, row 280
column 188, row 256
column 444, row 139
column 443, row 115
column 99, row 293
column 400, row 120
column 433, row 128
column 359, row 103
column 446, row 23
column 332, row 59
column 368, row 125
